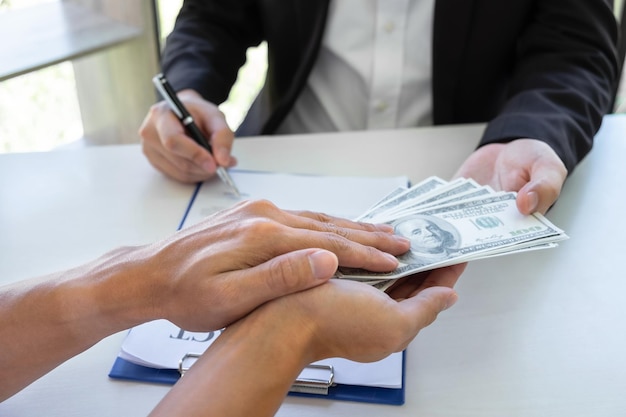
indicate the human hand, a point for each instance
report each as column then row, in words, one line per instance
column 355, row 321
column 171, row 151
column 210, row 274
column 409, row 286
column 273, row 343
column 528, row 166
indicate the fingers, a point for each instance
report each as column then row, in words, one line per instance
column 341, row 222
column 212, row 122
column 441, row 277
column 252, row 248
column 170, row 150
column 380, row 236
column 390, row 326
column 539, row 195
column 285, row 274
column 546, row 180
column 528, row 166
column 358, row 245
column 422, row 309
column 298, row 271
column 177, row 168
column 221, row 138
column 373, row 251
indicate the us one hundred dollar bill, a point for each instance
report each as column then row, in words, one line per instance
column 453, row 222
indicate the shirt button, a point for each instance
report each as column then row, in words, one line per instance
column 381, row 106
column 389, row 27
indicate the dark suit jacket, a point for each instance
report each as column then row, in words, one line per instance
column 542, row 69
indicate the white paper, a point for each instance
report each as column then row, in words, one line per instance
column 346, row 197
column 160, row 344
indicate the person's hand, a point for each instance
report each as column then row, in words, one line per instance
column 366, row 325
column 262, row 353
column 355, row 321
column 171, row 151
column 528, row 166
column 408, row 286
column 210, row 274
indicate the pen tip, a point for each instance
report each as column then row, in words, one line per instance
column 223, row 174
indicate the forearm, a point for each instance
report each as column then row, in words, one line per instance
column 47, row 320
column 247, row 371
column 564, row 80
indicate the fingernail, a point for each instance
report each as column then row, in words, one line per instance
column 222, row 154
column 452, row 299
column 533, row 201
column 402, row 239
column 323, row 264
column 391, row 258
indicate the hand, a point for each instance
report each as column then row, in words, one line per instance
column 355, row 321
column 263, row 353
column 409, row 286
column 528, row 166
column 172, row 152
column 202, row 278
column 210, row 274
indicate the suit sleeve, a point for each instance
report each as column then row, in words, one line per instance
column 208, row 45
column 565, row 78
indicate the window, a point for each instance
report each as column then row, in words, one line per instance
column 80, row 96
column 39, row 110
column 69, row 71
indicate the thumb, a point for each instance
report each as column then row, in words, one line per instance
column 427, row 304
column 222, row 142
column 213, row 121
column 547, row 176
column 539, row 195
column 289, row 273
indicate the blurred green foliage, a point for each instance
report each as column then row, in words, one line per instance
column 40, row 111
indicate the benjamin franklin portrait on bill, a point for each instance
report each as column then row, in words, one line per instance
column 432, row 239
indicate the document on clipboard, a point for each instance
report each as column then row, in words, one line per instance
column 342, row 196
column 161, row 352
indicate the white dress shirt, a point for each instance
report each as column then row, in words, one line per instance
column 373, row 69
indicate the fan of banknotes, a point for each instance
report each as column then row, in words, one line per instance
column 450, row 223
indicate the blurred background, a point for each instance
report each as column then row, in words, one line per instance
column 40, row 109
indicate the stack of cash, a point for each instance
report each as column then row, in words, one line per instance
column 453, row 222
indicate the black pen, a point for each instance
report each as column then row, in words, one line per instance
column 169, row 95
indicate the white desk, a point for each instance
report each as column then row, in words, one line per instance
column 538, row 334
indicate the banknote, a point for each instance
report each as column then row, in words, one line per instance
column 400, row 197
column 453, row 222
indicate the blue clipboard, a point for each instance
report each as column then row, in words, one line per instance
column 125, row 370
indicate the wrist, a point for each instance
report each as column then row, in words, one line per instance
column 260, row 355
column 110, row 294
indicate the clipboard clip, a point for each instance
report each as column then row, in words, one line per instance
column 314, row 385
column 309, row 385
column 187, row 357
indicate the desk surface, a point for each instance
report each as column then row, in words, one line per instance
column 535, row 334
